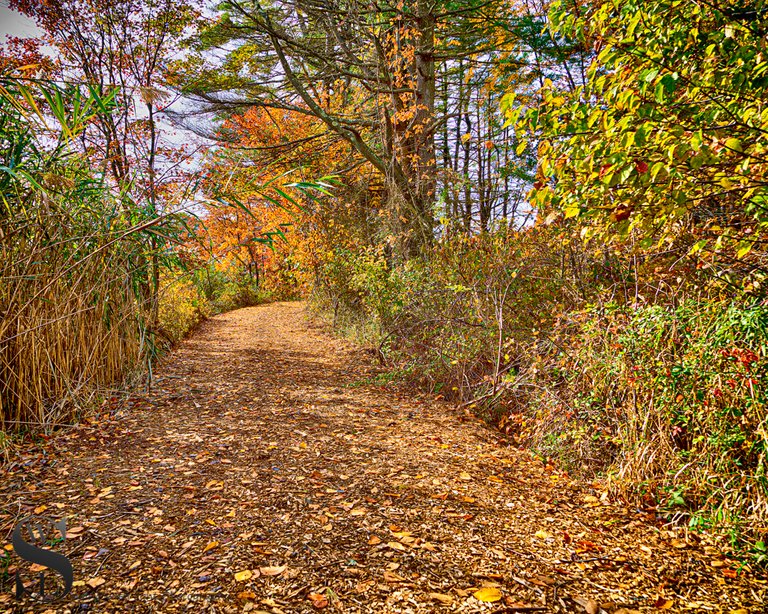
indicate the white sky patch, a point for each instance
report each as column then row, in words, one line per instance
column 15, row 24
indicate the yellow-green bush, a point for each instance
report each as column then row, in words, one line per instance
column 182, row 308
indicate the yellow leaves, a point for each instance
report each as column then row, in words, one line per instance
column 215, row 485
column 571, row 211
column 96, row 582
column 247, row 574
column 743, row 248
column 396, row 546
column 401, row 535
column 542, row 534
column 465, row 476
column 210, row 546
column 487, row 595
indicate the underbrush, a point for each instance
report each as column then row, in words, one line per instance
column 669, row 401
column 666, row 399
column 188, row 299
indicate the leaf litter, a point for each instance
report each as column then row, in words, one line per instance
column 260, row 475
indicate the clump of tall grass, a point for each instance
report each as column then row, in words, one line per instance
column 74, row 317
column 670, row 400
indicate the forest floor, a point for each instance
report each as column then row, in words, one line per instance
column 265, row 473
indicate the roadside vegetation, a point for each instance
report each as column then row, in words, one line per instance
column 552, row 214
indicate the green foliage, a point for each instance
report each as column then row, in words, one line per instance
column 670, row 130
column 671, row 400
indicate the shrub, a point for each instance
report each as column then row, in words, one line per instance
column 670, row 400
column 186, row 300
column 182, row 307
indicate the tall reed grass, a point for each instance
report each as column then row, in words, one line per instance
column 73, row 263
column 71, row 326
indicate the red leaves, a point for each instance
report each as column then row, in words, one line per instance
column 745, row 357
column 318, row 600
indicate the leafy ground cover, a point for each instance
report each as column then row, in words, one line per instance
column 260, row 475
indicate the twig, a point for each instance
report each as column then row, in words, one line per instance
column 528, row 585
column 106, row 558
column 301, row 589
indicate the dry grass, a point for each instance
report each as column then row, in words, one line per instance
column 70, row 328
column 76, row 257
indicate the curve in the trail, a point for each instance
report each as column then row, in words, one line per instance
column 264, row 474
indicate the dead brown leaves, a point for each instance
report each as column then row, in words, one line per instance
column 255, row 480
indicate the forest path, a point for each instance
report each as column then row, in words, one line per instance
column 261, row 474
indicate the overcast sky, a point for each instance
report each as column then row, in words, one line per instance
column 13, row 24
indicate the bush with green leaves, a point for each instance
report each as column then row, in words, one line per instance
column 669, row 400
column 669, row 134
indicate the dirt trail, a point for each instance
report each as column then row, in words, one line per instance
column 263, row 475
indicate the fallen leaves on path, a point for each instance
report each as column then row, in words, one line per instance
column 262, row 475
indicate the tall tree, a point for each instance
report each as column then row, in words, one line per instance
column 372, row 73
column 120, row 45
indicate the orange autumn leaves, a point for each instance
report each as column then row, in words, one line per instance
column 257, row 226
column 246, row 219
